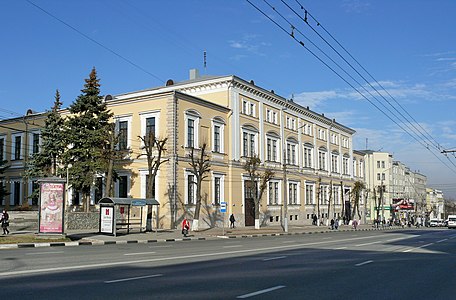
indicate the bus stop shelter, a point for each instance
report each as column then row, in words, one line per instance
column 126, row 214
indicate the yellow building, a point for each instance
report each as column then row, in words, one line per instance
column 236, row 119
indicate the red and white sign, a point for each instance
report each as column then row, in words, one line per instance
column 107, row 219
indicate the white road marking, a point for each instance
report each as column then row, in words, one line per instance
column 442, row 240
column 408, row 250
column 44, row 253
column 398, row 239
column 340, row 248
column 426, row 245
column 232, row 246
column 260, row 292
column 359, row 245
column 133, row 278
column 273, row 258
column 139, row 253
column 364, row 263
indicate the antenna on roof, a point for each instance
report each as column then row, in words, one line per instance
column 205, row 62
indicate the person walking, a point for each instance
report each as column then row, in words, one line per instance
column 336, row 224
column 355, row 224
column 185, row 227
column 332, row 224
column 232, row 220
column 5, row 222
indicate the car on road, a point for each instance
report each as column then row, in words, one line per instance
column 435, row 223
column 451, row 221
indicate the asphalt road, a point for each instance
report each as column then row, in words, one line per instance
column 405, row 264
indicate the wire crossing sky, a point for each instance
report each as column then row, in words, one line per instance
column 397, row 54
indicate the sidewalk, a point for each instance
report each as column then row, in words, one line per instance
column 92, row 237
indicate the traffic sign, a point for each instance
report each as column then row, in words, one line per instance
column 223, row 207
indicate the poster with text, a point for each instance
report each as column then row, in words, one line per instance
column 107, row 219
column 51, row 207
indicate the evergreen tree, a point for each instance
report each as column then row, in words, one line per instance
column 47, row 161
column 87, row 134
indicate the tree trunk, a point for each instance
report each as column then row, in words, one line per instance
column 257, row 212
column 197, row 206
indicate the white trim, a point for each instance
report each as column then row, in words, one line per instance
column 149, row 114
column 13, row 146
column 143, row 175
column 196, row 120
column 222, row 187
column 214, row 123
column 127, row 119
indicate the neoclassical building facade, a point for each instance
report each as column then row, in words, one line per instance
column 312, row 156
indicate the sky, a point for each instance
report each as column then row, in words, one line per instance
column 407, row 47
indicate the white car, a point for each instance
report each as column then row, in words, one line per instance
column 434, row 223
column 451, row 221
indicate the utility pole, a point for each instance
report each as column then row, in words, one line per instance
column 381, row 199
column 285, row 190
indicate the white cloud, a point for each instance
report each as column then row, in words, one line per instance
column 249, row 43
column 315, row 99
column 355, row 6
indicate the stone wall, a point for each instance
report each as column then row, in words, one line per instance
column 82, row 220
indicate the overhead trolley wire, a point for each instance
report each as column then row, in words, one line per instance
column 346, row 81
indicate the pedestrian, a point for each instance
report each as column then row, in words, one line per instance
column 5, row 222
column 332, row 224
column 232, row 220
column 336, row 224
column 355, row 224
column 185, row 227
column 315, row 219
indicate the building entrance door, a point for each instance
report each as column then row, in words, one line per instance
column 249, row 206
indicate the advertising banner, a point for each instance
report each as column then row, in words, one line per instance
column 107, row 219
column 51, row 207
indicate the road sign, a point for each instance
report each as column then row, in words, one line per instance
column 223, row 207
column 138, row 203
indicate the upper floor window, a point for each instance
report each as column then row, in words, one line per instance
column 378, row 164
column 149, row 125
column 192, row 129
column 16, row 146
column 308, row 157
column 2, row 148
column 322, row 134
column 291, row 153
column 310, row 199
column 249, row 137
column 307, row 129
column 355, row 169
column 293, row 193
column 218, row 127
column 35, row 143
column 271, row 147
column 248, row 108
column 322, row 159
column 345, row 165
column 123, row 135
column 335, row 162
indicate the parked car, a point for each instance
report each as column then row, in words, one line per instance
column 435, row 223
column 451, row 221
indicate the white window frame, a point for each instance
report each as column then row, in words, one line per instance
column 249, row 150
column 276, row 183
column 143, row 179
column 127, row 119
column 13, row 146
column 30, row 138
column 297, row 183
column 291, row 153
column 195, row 116
column 4, row 147
column 310, row 150
column 222, row 187
column 274, row 156
column 143, row 117
column 312, row 200
column 187, row 200
column 117, row 183
column 322, row 159
column 334, row 163
column 221, row 124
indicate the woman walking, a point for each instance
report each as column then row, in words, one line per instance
column 5, row 222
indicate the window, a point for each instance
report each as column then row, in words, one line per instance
column 334, row 162
column 378, row 176
column 17, row 147
column 190, row 133
column 248, row 142
column 252, row 109
column 248, row 108
column 192, row 129
column 308, row 156
column 218, row 189
column 122, row 190
column 345, row 165
column 383, row 176
column 35, row 143
column 271, row 148
column 274, row 117
column 16, row 192
column 273, row 192
column 383, row 164
column 378, row 164
column 322, row 159
column 292, row 193
column 268, row 115
column 291, row 153
column 218, row 127
column 323, row 194
column 98, row 193
column 2, row 148
column 191, row 184
column 150, row 127
column 310, row 193
column 244, row 107
column 336, row 198
column 123, row 135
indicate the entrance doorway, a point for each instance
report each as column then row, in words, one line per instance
column 249, row 204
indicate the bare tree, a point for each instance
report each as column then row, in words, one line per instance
column 252, row 167
column 200, row 168
column 357, row 191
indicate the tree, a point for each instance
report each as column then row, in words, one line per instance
column 200, row 167
column 87, row 134
column 3, row 191
column 357, row 192
column 47, row 161
column 252, row 166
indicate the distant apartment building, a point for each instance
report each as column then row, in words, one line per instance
column 393, row 190
column 435, row 204
column 236, row 119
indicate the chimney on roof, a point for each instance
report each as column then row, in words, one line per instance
column 194, row 74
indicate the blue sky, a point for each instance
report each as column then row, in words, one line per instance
column 408, row 46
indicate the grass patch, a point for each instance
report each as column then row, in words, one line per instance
column 29, row 238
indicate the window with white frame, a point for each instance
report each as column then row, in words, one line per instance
column 293, row 197
column 122, row 186
column 35, row 145
column 307, row 129
column 323, row 194
column 268, row 115
column 190, row 191
column 273, row 192
column 378, row 176
column 336, row 196
column 192, row 119
column 248, row 108
column 361, row 169
column 308, row 150
column 355, row 169
column 16, row 146
column 288, row 123
column 378, row 164
column 322, row 134
column 274, row 117
column 310, row 197
column 249, row 137
column 334, row 162
column 123, row 129
column 322, row 158
column 291, row 152
column 218, row 129
column 149, row 125
column 272, row 141
column 218, row 188
column 345, row 165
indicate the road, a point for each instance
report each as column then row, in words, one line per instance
column 404, row 264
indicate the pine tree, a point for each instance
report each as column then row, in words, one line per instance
column 87, row 134
column 47, row 161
